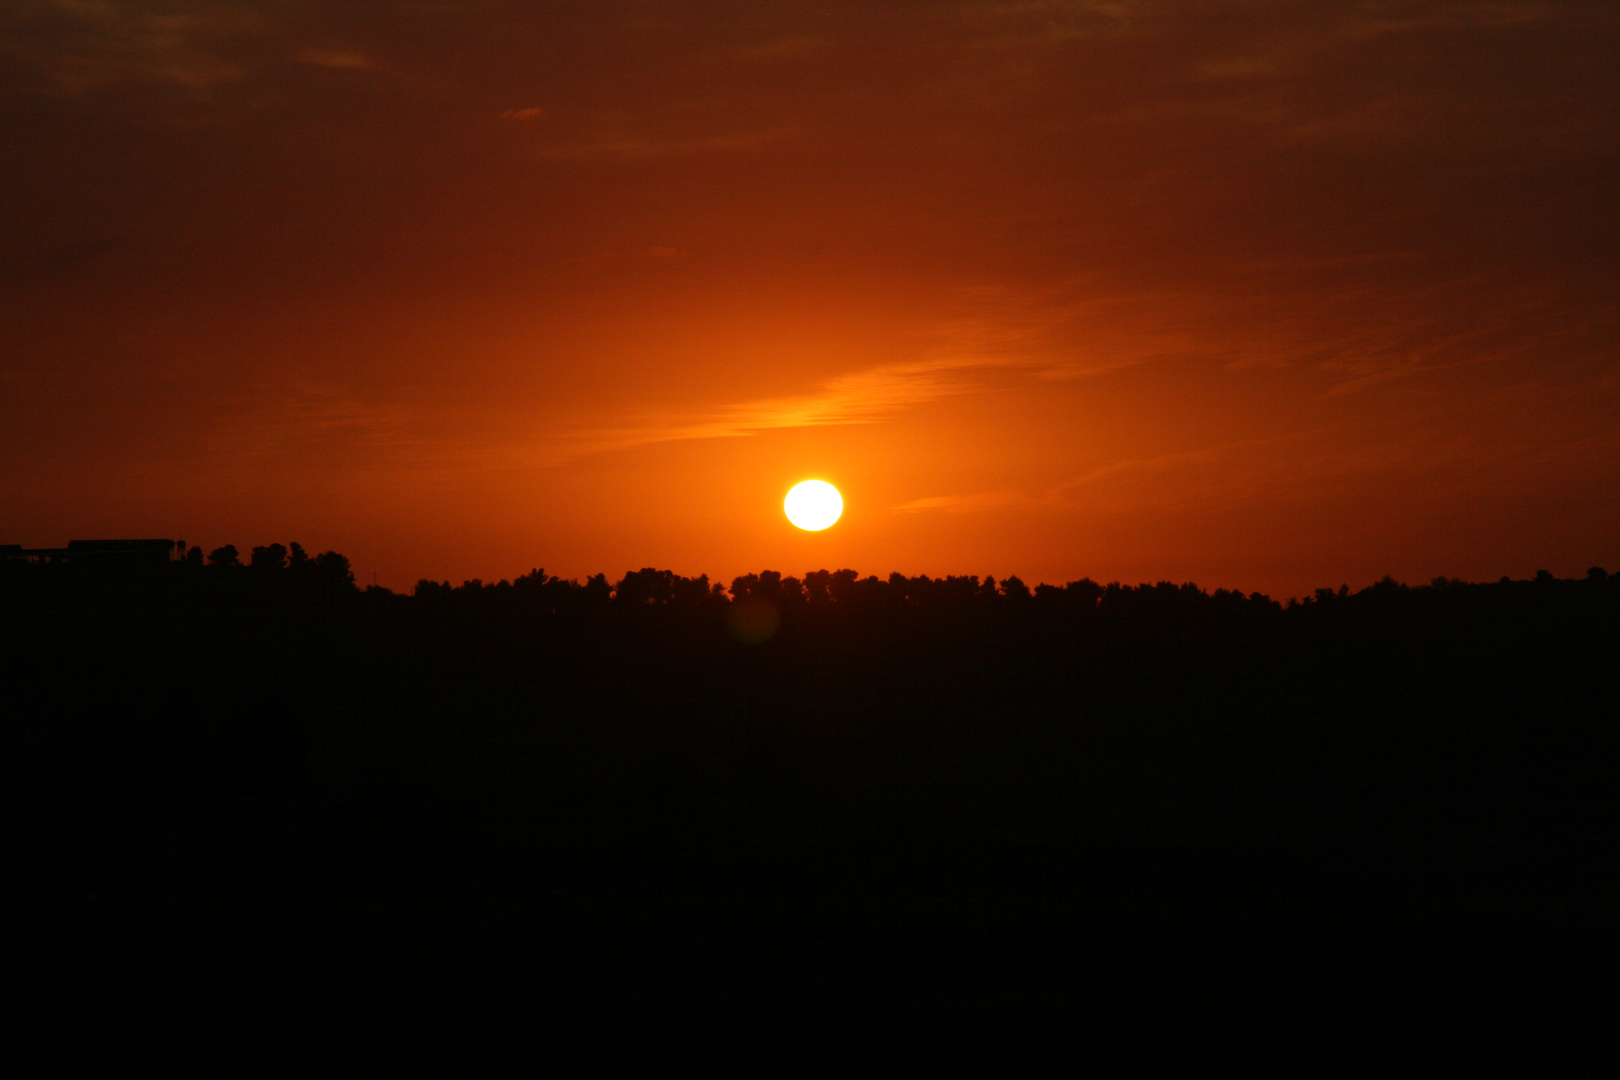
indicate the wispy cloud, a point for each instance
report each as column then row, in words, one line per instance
column 78, row 48
column 973, row 503
column 865, row 397
column 341, row 59
column 75, row 47
column 1197, row 475
column 625, row 145
column 305, row 418
column 784, row 48
column 1318, row 463
column 1235, row 472
column 1020, row 23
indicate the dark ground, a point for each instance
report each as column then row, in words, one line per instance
column 918, row 822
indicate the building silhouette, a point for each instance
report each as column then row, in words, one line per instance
column 101, row 553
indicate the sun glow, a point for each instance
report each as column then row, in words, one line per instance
column 813, row 505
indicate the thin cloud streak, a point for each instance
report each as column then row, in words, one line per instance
column 74, row 49
column 301, row 419
column 341, row 59
column 974, row 503
column 635, row 146
column 866, row 397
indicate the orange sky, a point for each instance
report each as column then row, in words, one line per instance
column 1269, row 295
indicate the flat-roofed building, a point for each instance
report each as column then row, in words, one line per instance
column 109, row 553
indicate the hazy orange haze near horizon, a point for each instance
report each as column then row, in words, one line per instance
column 1267, row 295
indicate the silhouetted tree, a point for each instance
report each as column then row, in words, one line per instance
column 816, row 583
column 769, row 586
column 1085, row 592
column 596, row 590
column 225, row 556
column 695, row 592
column 332, row 570
column 645, row 587
column 269, row 558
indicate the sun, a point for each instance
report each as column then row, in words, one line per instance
column 813, row 505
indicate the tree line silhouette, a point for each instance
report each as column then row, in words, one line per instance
column 935, row 801
column 276, row 569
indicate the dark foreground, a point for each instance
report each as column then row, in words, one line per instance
column 924, row 821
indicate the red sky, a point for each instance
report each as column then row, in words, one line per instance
column 1260, row 294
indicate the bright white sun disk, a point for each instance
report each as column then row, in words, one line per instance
column 813, row 505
